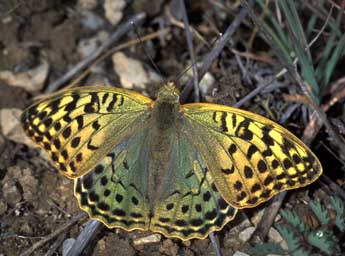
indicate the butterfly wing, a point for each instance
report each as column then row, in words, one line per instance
column 250, row 157
column 189, row 204
column 116, row 191
column 77, row 127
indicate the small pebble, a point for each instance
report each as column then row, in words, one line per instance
column 113, row 10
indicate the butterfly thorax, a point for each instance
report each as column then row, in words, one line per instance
column 163, row 123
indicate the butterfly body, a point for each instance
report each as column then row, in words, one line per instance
column 162, row 125
column 160, row 149
column 181, row 170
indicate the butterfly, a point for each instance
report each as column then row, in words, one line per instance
column 180, row 170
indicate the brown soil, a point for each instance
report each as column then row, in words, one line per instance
column 35, row 200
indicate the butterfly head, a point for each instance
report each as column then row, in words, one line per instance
column 168, row 93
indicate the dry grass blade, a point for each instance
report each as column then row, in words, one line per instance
column 216, row 50
column 53, row 235
column 121, row 31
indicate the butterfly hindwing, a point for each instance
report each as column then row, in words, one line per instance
column 252, row 157
column 189, row 204
column 114, row 191
column 77, row 127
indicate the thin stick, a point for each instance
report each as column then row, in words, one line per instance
column 259, row 89
column 116, row 49
column 334, row 186
column 89, row 232
column 121, row 31
column 179, row 24
column 191, row 51
column 216, row 51
column 280, row 73
column 51, row 236
column 267, row 220
column 215, row 244
column 57, row 243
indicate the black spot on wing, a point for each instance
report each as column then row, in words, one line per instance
column 255, row 187
column 184, row 209
column 266, row 138
column 267, row 152
column 105, row 97
column 268, row 180
column 252, row 150
column 57, row 143
column 232, row 149
column 296, row 158
column 64, row 154
column 90, row 146
column 75, row 142
column 242, row 130
column 223, row 122
column 253, row 200
column 241, row 196
column 228, row 171
column 48, row 122
column 189, row 174
column 234, row 120
column 135, row 200
column 42, row 115
column 79, row 157
column 73, row 104
column 275, row 163
column 67, row 132
column 67, row 118
column 57, row 126
column 248, row 172
column 238, row 185
column 99, row 169
column 198, row 207
column 287, row 163
column 169, row 206
column 112, row 102
column 118, row 198
column 262, row 167
column 206, row 196
column 96, row 125
column 80, row 122
column 54, row 106
column 93, row 105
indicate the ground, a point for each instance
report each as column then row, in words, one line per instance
column 35, row 200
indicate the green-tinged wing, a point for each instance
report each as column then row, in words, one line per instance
column 188, row 205
column 250, row 157
column 77, row 127
column 114, row 191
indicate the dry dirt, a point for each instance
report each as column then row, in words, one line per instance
column 35, row 200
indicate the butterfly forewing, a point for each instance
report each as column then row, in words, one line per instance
column 252, row 157
column 78, row 127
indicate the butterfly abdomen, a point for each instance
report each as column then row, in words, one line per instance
column 161, row 142
column 163, row 131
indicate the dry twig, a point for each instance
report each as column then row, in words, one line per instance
column 53, row 235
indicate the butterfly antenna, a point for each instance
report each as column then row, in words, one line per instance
column 145, row 52
column 191, row 65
